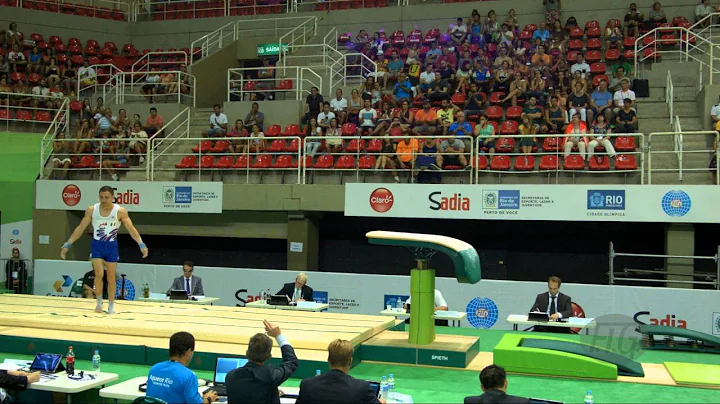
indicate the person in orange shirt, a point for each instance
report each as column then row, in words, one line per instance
column 576, row 134
column 425, row 120
column 153, row 123
column 540, row 59
column 406, row 152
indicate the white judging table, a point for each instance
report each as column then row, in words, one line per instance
column 454, row 316
column 572, row 322
column 162, row 298
column 301, row 306
column 130, row 390
column 61, row 384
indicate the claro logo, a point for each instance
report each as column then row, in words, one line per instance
column 71, row 195
column 454, row 202
column 381, row 200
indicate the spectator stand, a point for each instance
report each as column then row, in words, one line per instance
column 163, row 141
column 677, row 43
column 272, row 156
column 359, row 154
column 327, row 49
column 333, row 5
column 104, row 73
column 548, row 157
column 163, row 60
column 294, row 84
column 289, row 31
column 192, row 9
column 690, row 153
column 128, row 87
column 104, row 9
column 353, row 66
column 31, row 113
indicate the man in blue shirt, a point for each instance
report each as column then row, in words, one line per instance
column 461, row 127
column 601, row 101
column 542, row 33
column 171, row 381
column 403, row 89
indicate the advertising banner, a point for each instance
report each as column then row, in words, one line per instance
column 16, row 235
column 135, row 196
column 487, row 303
column 632, row 203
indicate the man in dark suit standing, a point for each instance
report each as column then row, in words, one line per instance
column 189, row 283
column 493, row 381
column 298, row 291
column 555, row 304
column 337, row 386
column 258, row 381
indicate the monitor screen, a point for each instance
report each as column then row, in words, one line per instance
column 225, row 365
column 46, row 362
column 375, row 387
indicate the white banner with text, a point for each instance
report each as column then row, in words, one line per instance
column 135, row 196
column 633, row 203
column 487, row 303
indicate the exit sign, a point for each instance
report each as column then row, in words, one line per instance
column 270, row 49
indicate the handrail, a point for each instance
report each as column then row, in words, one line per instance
column 191, row 9
column 160, row 137
column 116, row 89
column 678, row 149
column 686, row 48
column 116, row 10
column 144, row 63
column 290, row 38
column 235, row 30
column 103, row 73
column 697, row 27
column 346, row 68
column 243, row 81
column 58, row 124
column 99, row 156
column 670, row 96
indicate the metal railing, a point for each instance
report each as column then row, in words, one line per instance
column 16, row 274
column 297, row 82
column 248, row 154
column 332, row 5
column 670, row 97
column 483, row 162
column 27, row 108
column 276, row 27
column 189, row 9
column 710, row 279
column 296, row 36
column 107, row 154
column 175, row 129
column 679, row 141
column 353, row 65
column 59, row 124
column 174, row 85
column 160, row 60
column 676, row 40
column 706, row 32
column 105, row 9
column 103, row 74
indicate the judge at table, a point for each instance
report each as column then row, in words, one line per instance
column 297, row 291
column 189, row 283
column 557, row 305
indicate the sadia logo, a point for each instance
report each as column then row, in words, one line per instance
column 71, row 195
column 454, row 202
column 381, row 200
column 670, row 320
column 58, row 285
column 127, row 197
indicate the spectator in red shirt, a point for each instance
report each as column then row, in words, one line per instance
column 154, row 122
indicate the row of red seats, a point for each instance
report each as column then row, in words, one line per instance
column 55, row 6
column 350, row 4
column 25, row 115
column 573, row 162
column 89, row 162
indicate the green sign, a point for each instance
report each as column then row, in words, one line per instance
column 270, row 49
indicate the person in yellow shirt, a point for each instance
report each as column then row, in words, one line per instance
column 446, row 115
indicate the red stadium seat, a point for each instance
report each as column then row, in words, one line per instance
column 513, row 112
column 612, row 55
column 345, row 162
column 500, row 163
column 5, row 113
column 625, row 162
column 262, row 161
column 293, row 146
column 496, row 97
column 324, row 161
column 525, row 35
column 292, row 130
column 481, row 162
column 505, row 144
column 576, row 32
column 308, row 162
column 24, row 115
column 34, row 78
column 277, row 146
column 593, row 56
column 625, row 144
column 221, row 146
column 574, row 44
column 494, row 112
column 598, row 68
column 366, row 162
column 574, row 162
column 242, row 161
column 88, row 162
column 186, row 162
column 374, row 146
column 599, row 163
column 551, row 144
column 509, row 128
column 458, row 99
column 629, row 42
column 224, row 162
column 524, row 163
column 594, row 32
column 598, row 77
column 273, row 130
column 43, row 116
column 349, row 129
column 283, row 162
column 354, row 146
column 204, row 146
column 207, row 161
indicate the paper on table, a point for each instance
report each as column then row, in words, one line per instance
column 306, row 304
column 199, row 297
column 10, row 366
column 158, row 296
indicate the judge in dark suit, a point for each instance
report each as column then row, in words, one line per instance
column 258, row 381
column 337, row 386
column 555, row 304
column 15, row 380
column 189, row 283
column 298, row 291
column 493, row 381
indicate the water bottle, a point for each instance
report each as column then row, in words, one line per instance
column 589, row 398
column 384, row 388
column 268, row 294
column 70, row 362
column 391, row 383
column 317, row 372
column 399, row 304
column 96, row 362
column 263, row 298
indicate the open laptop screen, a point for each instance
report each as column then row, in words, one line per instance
column 45, row 362
column 225, row 365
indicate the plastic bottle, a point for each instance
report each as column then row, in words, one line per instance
column 391, row 383
column 96, row 362
column 317, row 372
column 70, row 362
column 267, row 295
column 384, row 388
column 263, row 298
column 589, row 399
column 399, row 304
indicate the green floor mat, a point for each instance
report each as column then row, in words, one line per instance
column 694, row 373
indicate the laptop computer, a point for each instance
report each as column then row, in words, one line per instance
column 178, row 294
column 47, row 363
column 375, row 387
column 223, row 366
column 538, row 316
column 278, row 300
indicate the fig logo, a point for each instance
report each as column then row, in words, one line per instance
column 381, row 200
column 71, row 195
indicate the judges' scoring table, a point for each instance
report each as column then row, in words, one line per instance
column 572, row 322
column 301, row 306
column 454, row 316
